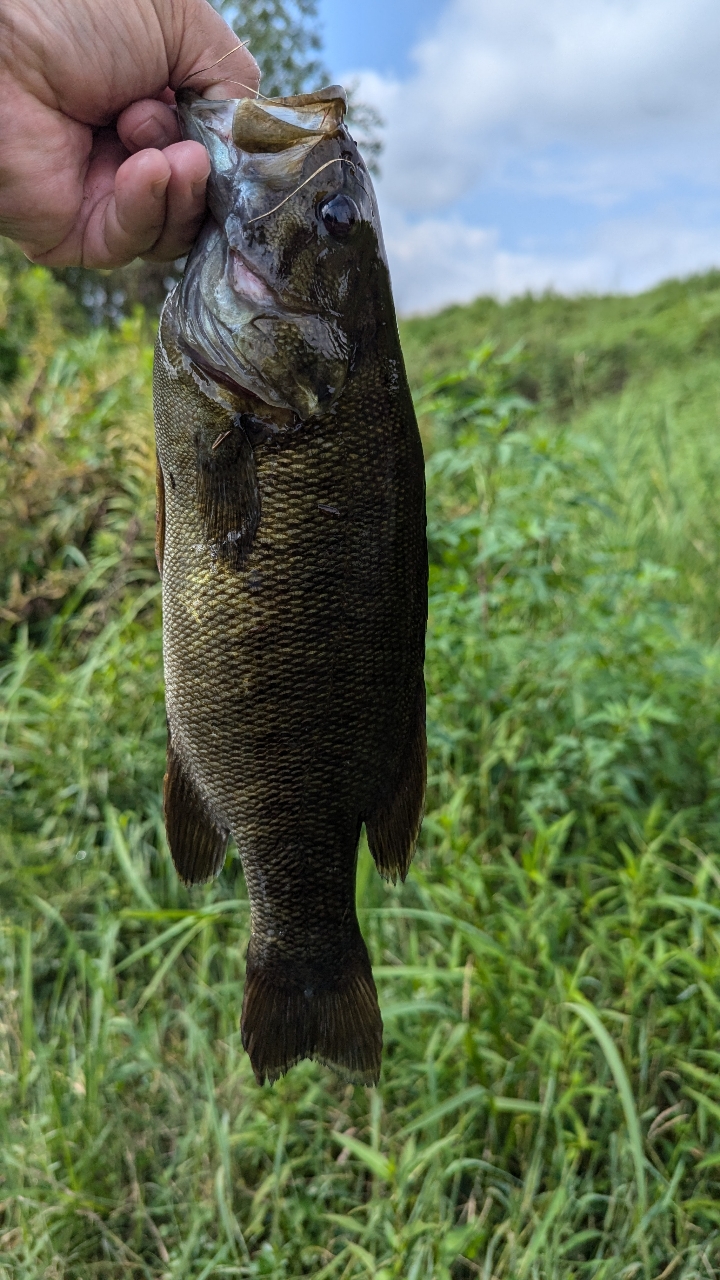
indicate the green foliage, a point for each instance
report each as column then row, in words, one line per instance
column 76, row 464
column 560, row 678
column 638, row 377
column 282, row 36
column 576, row 349
column 21, row 291
column 549, row 974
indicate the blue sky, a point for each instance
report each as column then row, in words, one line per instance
column 375, row 33
column 572, row 144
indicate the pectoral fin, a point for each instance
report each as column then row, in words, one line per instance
column 228, row 495
column 197, row 841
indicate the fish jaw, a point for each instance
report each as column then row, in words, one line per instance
column 230, row 321
column 266, row 126
column 282, row 287
column 244, row 155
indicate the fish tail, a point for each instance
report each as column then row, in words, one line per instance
column 290, row 1013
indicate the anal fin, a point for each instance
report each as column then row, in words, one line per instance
column 197, row 842
column 394, row 824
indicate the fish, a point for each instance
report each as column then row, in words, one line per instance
column 291, row 542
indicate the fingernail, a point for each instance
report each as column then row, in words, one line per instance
column 198, row 188
column 150, row 134
column 159, row 187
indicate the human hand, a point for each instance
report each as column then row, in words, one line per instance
column 92, row 169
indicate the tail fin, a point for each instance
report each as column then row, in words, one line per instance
column 289, row 1014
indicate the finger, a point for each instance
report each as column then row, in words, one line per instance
column 128, row 220
column 205, row 39
column 185, row 201
column 123, row 208
column 148, row 123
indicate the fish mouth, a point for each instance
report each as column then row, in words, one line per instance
column 237, row 330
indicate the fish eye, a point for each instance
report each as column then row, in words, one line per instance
column 338, row 215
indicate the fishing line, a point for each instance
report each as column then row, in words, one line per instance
column 335, row 160
column 242, row 84
column 242, row 44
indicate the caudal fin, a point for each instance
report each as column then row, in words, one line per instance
column 289, row 1014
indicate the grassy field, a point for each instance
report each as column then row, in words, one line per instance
column 549, row 975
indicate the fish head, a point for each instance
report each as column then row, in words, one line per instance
column 278, row 294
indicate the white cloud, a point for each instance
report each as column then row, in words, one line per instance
column 499, row 81
column 438, row 261
column 611, row 108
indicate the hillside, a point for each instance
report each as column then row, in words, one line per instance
column 640, row 376
column 549, row 975
column 576, row 349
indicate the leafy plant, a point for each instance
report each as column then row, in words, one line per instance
column 282, row 35
column 549, row 973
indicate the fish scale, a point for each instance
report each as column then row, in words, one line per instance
column 293, row 651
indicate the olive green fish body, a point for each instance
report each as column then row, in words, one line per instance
column 294, row 599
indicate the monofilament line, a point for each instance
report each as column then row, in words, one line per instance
column 335, row 160
column 242, row 84
column 201, row 70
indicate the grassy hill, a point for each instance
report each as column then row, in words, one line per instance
column 639, row 375
column 576, row 349
column 549, row 974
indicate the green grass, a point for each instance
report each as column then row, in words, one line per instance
column 549, row 975
column 639, row 375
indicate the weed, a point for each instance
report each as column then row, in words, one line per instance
column 548, row 975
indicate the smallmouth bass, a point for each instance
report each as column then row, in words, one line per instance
column 291, row 543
